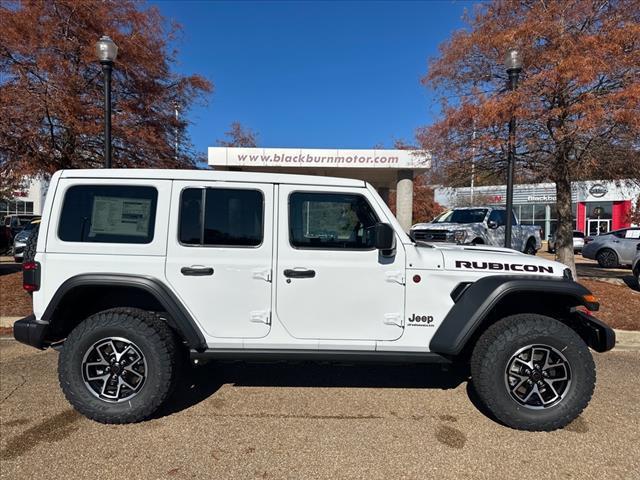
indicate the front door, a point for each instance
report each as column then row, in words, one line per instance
column 219, row 255
column 598, row 227
column 332, row 283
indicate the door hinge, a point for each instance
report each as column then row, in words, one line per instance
column 394, row 319
column 260, row 316
column 262, row 274
column 395, row 277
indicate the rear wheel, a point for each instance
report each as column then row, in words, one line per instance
column 533, row 372
column 119, row 365
column 607, row 258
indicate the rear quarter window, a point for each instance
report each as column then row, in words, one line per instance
column 108, row 214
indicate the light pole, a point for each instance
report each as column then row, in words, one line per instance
column 513, row 64
column 107, row 52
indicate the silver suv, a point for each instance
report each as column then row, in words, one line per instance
column 614, row 248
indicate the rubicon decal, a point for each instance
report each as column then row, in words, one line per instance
column 505, row 267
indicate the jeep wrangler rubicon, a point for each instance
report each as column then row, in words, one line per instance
column 134, row 269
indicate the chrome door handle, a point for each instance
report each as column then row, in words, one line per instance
column 197, row 271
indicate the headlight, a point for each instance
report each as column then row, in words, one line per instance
column 460, row 236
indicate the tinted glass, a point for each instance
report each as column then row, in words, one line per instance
column 232, row 217
column 331, row 221
column 108, row 214
column 577, row 234
column 472, row 215
column 191, row 216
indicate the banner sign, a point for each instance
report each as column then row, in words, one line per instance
column 324, row 158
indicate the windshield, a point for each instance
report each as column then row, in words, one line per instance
column 471, row 215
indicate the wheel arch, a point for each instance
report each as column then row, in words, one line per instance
column 491, row 298
column 83, row 295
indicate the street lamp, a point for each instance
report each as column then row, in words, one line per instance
column 513, row 64
column 107, row 52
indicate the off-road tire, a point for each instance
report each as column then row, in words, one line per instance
column 501, row 341
column 607, row 258
column 150, row 334
column 530, row 248
column 29, row 253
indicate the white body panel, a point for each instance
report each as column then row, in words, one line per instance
column 358, row 299
column 355, row 294
column 235, row 301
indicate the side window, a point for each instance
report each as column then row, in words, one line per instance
column 230, row 217
column 108, row 214
column 498, row 217
column 331, row 221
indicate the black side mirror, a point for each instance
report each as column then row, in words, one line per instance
column 385, row 237
column 492, row 224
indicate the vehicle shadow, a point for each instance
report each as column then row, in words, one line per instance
column 199, row 383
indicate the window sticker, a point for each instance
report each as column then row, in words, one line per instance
column 633, row 234
column 120, row 216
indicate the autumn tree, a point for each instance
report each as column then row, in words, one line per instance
column 576, row 105
column 239, row 136
column 51, row 86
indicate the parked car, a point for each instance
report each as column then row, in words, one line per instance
column 136, row 269
column 20, row 240
column 17, row 222
column 635, row 267
column 578, row 242
column 478, row 226
column 614, row 248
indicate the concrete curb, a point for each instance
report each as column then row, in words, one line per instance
column 627, row 340
column 7, row 322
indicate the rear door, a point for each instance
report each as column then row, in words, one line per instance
column 627, row 243
column 332, row 284
column 219, row 255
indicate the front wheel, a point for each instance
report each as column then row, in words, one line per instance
column 530, row 249
column 119, row 365
column 607, row 258
column 533, row 372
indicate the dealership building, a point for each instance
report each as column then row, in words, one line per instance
column 599, row 206
column 27, row 200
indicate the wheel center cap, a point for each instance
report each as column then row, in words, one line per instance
column 116, row 368
column 536, row 376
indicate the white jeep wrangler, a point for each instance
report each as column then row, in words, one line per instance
column 135, row 268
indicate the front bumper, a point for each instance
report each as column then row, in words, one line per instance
column 31, row 332
column 597, row 334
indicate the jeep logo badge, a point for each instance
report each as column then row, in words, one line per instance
column 598, row 190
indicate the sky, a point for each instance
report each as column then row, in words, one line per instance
column 312, row 74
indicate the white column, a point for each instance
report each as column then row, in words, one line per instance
column 404, row 199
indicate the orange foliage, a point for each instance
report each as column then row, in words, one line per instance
column 51, row 113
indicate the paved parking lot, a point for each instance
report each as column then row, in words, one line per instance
column 311, row 421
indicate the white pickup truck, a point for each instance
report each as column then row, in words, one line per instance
column 478, row 226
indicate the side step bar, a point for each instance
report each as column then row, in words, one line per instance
column 356, row 356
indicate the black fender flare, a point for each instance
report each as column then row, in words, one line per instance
column 180, row 318
column 473, row 306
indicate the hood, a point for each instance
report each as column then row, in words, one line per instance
column 484, row 259
column 442, row 226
